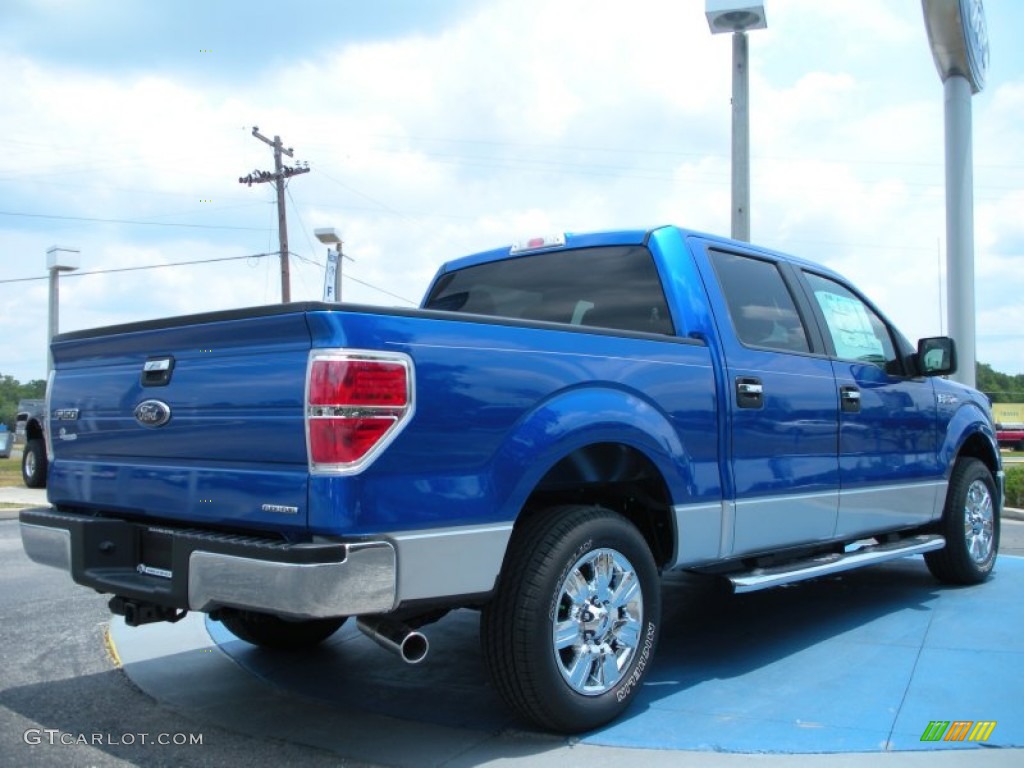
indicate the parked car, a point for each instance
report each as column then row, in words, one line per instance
column 1010, row 436
column 29, row 429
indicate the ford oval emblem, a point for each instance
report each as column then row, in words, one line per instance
column 152, row 413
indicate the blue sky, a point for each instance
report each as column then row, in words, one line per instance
column 434, row 129
column 247, row 39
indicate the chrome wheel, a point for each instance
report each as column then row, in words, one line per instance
column 598, row 621
column 979, row 522
column 569, row 635
column 969, row 524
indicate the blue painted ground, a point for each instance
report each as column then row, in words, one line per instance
column 855, row 663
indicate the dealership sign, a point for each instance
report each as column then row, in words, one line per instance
column 959, row 39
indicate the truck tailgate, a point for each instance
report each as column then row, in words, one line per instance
column 197, row 419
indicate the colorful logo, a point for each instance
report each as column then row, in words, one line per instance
column 958, row 730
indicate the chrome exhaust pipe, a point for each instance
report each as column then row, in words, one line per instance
column 396, row 637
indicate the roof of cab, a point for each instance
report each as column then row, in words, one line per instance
column 572, row 240
column 621, row 237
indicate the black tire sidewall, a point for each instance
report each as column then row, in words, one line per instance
column 35, row 448
column 567, row 708
column 965, row 475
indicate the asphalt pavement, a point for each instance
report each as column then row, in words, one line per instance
column 64, row 701
column 845, row 671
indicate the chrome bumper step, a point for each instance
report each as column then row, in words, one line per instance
column 824, row 565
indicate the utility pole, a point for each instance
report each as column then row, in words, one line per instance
column 281, row 172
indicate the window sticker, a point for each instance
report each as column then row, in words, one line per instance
column 850, row 327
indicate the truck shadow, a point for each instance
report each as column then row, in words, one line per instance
column 707, row 636
column 710, row 634
column 783, row 651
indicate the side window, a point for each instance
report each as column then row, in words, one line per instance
column 857, row 332
column 761, row 307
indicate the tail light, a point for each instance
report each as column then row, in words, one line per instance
column 356, row 403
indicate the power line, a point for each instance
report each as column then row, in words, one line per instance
column 374, row 200
column 126, row 221
column 309, row 243
column 67, row 275
column 637, row 150
column 346, row 276
column 203, row 261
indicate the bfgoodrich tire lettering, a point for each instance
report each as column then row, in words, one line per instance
column 570, row 633
column 970, row 524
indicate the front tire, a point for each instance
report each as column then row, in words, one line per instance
column 970, row 524
column 34, row 464
column 570, row 633
column 269, row 631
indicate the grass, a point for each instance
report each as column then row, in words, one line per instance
column 1014, row 485
column 10, row 470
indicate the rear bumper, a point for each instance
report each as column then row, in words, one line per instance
column 201, row 571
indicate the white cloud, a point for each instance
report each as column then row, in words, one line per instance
column 515, row 118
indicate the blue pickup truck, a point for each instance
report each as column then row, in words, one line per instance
column 560, row 422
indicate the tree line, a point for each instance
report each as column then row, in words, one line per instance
column 11, row 391
column 1000, row 387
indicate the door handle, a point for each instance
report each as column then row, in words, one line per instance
column 849, row 399
column 749, row 392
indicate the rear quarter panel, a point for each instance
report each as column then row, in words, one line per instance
column 498, row 404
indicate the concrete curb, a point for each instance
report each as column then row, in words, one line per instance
column 1010, row 513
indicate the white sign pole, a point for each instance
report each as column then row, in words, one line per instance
column 958, row 36
column 329, row 276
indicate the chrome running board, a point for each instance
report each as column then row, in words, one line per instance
column 823, row 565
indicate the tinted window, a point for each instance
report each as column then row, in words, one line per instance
column 761, row 307
column 856, row 330
column 615, row 287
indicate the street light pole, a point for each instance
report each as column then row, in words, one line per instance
column 332, row 280
column 737, row 17
column 740, row 138
column 58, row 259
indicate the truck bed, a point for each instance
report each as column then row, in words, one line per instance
column 233, row 453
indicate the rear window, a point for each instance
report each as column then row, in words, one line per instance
column 761, row 307
column 610, row 287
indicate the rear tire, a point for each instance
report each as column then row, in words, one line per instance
column 571, row 630
column 34, row 463
column 969, row 524
column 269, row 631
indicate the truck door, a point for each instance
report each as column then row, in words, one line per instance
column 783, row 406
column 890, row 474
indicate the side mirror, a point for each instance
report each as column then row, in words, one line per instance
column 936, row 356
